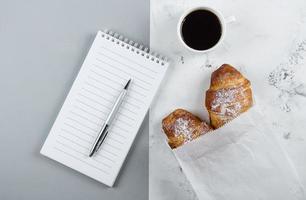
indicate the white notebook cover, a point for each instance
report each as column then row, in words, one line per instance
column 110, row 62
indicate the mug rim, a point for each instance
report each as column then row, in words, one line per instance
column 214, row 11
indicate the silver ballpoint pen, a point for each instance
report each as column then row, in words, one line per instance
column 104, row 130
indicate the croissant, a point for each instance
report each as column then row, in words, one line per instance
column 229, row 95
column 181, row 127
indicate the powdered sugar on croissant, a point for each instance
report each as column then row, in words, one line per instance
column 229, row 95
column 181, row 127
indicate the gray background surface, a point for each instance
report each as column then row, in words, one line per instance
column 42, row 46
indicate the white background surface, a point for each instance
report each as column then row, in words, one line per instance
column 267, row 44
column 42, row 47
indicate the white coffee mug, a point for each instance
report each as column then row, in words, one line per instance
column 223, row 21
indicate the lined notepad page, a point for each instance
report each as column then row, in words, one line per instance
column 107, row 67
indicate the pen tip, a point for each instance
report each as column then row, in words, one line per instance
column 127, row 84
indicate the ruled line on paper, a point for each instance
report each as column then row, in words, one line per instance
column 111, row 94
column 104, row 91
column 100, row 96
column 131, row 90
column 74, row 142
column 105, row 157
column 114, row 96
column 94, row 131
column 102, row 149
column 105, row 84
column 126, row 58
column 76, row 158
column 125, row 65
column 108, row 107
column 103, row 163
column 127, row 116
column 124, row 137
column 86, row 111
column 82, row 124
column 102, row 119
column 85, row 118
column 75, row 135
column 87, row 147
column 128, row 109
column 116, row 75
column 129, row 103
column 113, row 146
column 83, row 154
column 91, row 136
column 103, row 98
column 115, row 140
column 127, row 73
column 137, row 99
column 90, row 106
column 100, row 111
column 97, row 123
column 80, row 130
column 108, row 78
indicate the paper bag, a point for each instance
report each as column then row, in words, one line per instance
column 242, row 160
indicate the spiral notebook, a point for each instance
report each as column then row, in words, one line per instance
column 111, row 61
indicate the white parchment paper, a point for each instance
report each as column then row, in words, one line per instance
column 241, row 160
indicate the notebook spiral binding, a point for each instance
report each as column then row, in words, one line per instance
column 134, row 47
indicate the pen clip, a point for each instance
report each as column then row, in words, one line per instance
column 100, row 138
column 103, row 136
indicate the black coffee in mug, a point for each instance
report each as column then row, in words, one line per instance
column 201, row 29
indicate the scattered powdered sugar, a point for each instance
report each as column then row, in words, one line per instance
column 284, row 77
column 225, row 101
column 182, row 127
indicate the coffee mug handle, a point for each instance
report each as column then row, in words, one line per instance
column 230, row 19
